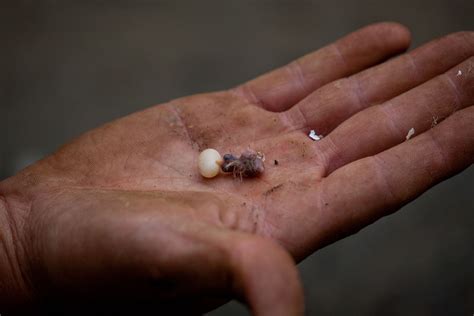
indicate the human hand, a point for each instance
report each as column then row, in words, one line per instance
column 121, row 212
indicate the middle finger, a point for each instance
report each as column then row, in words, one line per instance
column 332, row 104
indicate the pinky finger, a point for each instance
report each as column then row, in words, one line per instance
column 381, row 184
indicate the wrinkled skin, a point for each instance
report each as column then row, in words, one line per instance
column 121, row 216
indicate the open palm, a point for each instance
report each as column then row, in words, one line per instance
column 122, row 212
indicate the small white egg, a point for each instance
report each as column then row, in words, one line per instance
column 209, row 163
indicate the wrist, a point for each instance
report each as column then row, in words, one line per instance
column 14, row 285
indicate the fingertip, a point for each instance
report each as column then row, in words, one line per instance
column 395, row 33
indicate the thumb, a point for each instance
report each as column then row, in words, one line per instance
column 265, row 276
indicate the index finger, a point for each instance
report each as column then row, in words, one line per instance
column 279, row 89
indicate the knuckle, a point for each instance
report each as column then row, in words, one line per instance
column 464, row 37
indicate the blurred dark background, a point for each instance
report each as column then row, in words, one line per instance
column 68, row 66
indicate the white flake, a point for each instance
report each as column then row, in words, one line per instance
column 312, row 134
column 411, row 132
